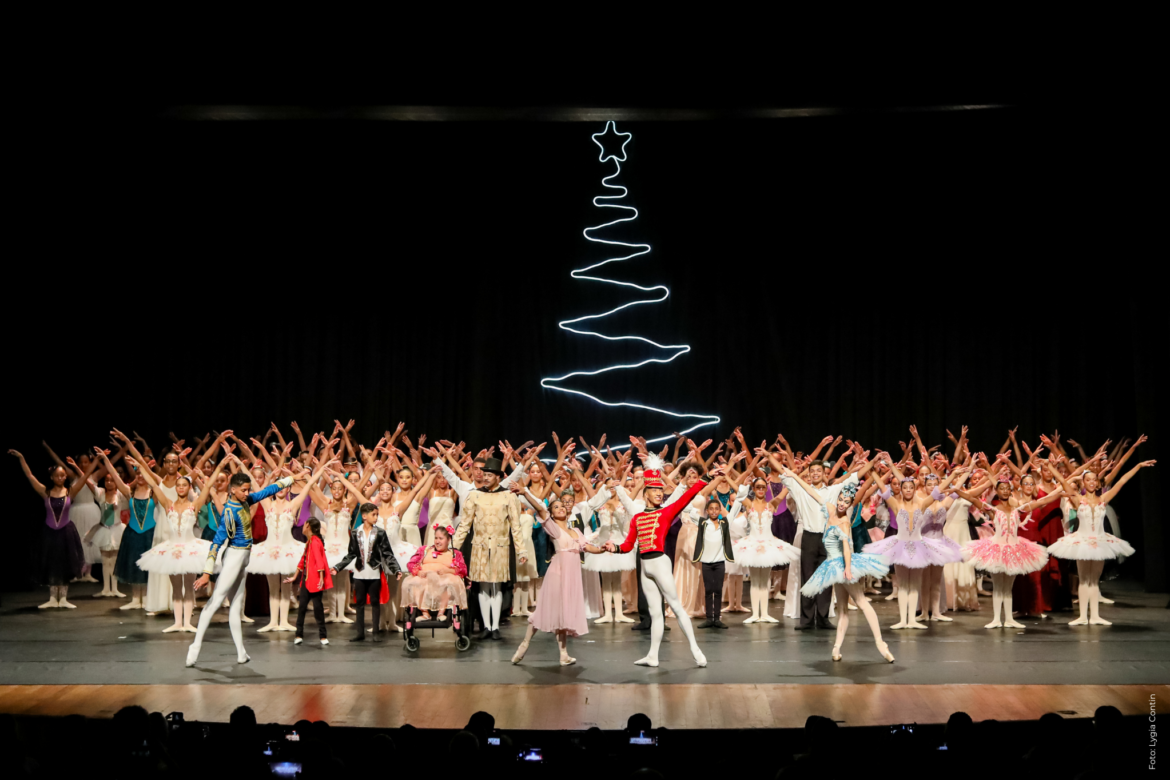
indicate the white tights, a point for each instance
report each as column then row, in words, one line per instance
column 658, row 584
column 109, row 581
column 521, row 598
column 279, row 595
column 339, row 599
column 611, row 598
column 909, row 582
column 1089, row 593
column 182, row 602
column 761, row 580
column 1001, row 596
column 491, row 601
column 229, row 586
column 933, row 587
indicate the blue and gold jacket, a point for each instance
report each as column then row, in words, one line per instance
column 235, row 527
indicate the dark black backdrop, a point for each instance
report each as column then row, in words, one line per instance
column 844, row 274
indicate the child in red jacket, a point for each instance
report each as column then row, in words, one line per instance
column 315, row 568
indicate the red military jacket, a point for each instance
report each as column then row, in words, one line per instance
column 649, row 528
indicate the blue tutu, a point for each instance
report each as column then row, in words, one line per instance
column 832, row 572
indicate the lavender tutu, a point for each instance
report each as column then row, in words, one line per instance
column 941, row 546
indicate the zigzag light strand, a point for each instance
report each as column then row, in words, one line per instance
column 654, row 294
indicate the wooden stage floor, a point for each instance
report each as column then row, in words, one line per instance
column 677, row 706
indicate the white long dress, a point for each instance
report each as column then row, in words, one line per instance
column 590, row 580
column 280, row 553
column 409, row 531
column 182, row 553
column 86, row 514
column 158, row 584
column 959, row 578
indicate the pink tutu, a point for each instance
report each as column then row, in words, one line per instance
column 997, row 556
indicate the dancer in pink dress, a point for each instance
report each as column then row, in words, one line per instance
column 1005, row 555
column 561, row 609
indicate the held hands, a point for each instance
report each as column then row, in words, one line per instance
column 289, row 580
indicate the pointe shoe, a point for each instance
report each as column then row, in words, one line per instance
column 647, row 661
column 738, row 608
column 1103, row 600
column 603, row 619
column 245, row 658
column 66, row 605
column 50, row 604
column 752, row 619
column 884, row 649
column 1099, row 622
column 172, row 629
column 994, row 624
column 88, row 578
column 344, row 619
column 700, row 659
column 286, row 627
column 190, row 629
column 518, row 656
column 117, row 594
column 267, row 628
column 899, row 625
column 567, row 661
column 943, row 618
column 781, row 596
column 246, row 619
column 852, row 607
column 1079, row 622
column 131, row 605
column 192, row 655
column 836, row 653
column 624, row 619
column 768, row 619
column 893, row 596
column 916, row 624
column 1012, row 624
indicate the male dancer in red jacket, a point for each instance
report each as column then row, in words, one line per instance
column 648, row 529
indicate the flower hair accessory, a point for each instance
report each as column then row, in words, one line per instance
column 849, row 490
column 1004, row 476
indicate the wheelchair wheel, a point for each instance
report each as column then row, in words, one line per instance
column 463, row 644
column 412, row 644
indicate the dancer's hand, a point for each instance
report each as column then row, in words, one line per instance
column 523, row 560
column 202, row 581
column 400, row 575
column 289, row 580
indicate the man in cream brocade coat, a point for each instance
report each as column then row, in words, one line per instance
column 491, row 512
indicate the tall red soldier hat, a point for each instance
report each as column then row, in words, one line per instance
column 652, row 472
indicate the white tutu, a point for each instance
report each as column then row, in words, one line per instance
column 280, row 553
column 761, row 552
column 610, row 561
column 1095, row 547
column 1091, row 542
column 106, row 538
column 178, row 557
column 335, row 534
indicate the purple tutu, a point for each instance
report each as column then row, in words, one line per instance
column 911, row 553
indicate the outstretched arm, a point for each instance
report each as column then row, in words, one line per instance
column 1112, row 492
column 36, row 484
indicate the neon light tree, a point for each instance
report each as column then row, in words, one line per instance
column 613, row 147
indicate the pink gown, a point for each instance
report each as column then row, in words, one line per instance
column 561, row 606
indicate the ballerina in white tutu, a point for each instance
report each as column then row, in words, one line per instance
column 278, row 555
column 759, row 550
column 183, row 555
column 1090, row 546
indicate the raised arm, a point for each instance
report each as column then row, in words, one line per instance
column 1117, row 468
column 36, row 483
column 1112, row 492
column 160, row 497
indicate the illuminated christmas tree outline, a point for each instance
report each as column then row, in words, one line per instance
column 660, row 292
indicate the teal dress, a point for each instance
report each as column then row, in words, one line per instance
column 832, row 571
column 136, row 541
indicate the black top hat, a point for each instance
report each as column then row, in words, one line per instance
column 494, row 465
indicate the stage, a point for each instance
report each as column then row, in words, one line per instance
column 96, row 658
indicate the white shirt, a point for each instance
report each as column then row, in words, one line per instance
column 712, row 543
column 463, row 488
column 809, row 513
column 365, row 542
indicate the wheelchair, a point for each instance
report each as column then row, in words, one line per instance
column 457, row 621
